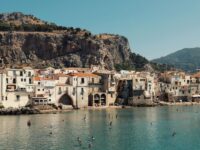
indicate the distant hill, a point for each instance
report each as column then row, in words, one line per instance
column 187, row 59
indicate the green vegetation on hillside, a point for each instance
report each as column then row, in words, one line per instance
column 187, row 59
column 33, row 27
column 137, row 63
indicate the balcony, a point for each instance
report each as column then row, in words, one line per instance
column 16, row 90
column 112, row 89
column 92, row 83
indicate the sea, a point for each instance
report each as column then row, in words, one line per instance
column 138, row 128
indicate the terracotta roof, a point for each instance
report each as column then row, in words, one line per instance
column 83, row 75
column 74, row 68
column 40, row 78
column 37, row 78
column 48, row 78
column 196, row 75
column 61, row 75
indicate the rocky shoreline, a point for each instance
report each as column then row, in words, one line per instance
column 19, row 111
column 161, row 103
column 32, row 111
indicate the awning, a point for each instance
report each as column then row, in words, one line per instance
column 195, row 96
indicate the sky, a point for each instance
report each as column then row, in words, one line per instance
column 154, row 28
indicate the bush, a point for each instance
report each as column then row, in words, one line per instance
column 31, row 27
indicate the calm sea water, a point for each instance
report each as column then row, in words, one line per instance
column 133, row 129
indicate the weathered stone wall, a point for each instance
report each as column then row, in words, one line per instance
column 63, row 48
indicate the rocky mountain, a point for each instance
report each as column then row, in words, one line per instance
column 27, row 40
column 187, row 59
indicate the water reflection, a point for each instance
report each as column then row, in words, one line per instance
column 135, row 128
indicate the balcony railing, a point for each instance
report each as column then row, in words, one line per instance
column 92, row 83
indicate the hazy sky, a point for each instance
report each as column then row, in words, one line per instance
column 154, row 27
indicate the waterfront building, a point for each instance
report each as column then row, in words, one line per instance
column 105, row 85
column 44, row 91
column 144, row 89
column 16, row 87
column 94, row 87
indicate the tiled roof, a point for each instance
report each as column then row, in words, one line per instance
column 37, row 78
column 74, row 68
column 43, row 78
column 61, row 75
column 197, row 75
column 83, row 75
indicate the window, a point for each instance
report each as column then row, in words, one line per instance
column 29, row 73
column 73, row 91
column 21, row 80
column 24, row 80
column 111, row 95
column 188, row 81
column 82, row 80
column 82, row 91
column 38, row 83
column 38, row 89
column 18, row 97
column 59, row 90
column 6, row 80
column 14, row 80
column 6, row 98
column 49, row 100
column 92, row 80
column 66, row 89
column 21, row 73
column 30, row 81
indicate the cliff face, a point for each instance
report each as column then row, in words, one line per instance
column 25, row 39
column 59, row 49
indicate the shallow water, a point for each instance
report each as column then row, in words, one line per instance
column 133, row 129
